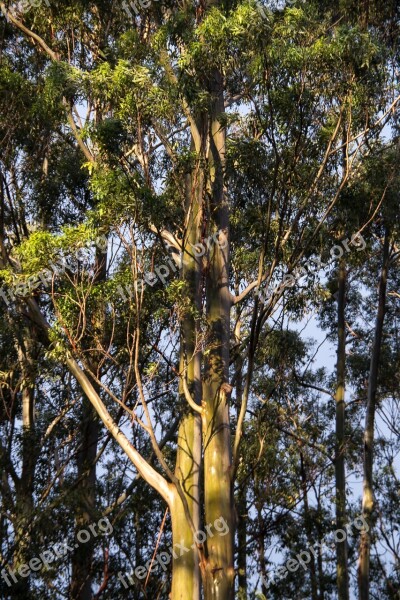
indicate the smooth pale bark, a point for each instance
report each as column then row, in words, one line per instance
column 218, row 495
column 148, row 473
column 185, row 567
column 342, row 572
column 186, row 580
column 368, row 502
column 184, row 562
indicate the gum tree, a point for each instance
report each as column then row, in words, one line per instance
column 214, row 133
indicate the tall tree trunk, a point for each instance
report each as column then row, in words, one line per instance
column 340, row 475
column 218, row 496
column 185, row 569
column 242, row 527
column 241, row 494
column 261, row 547
column 320, row 561
column 82, row 558
column 242, row 543
column 368, row 494
column 186, row 581
column 307, row 523
column 25, row 487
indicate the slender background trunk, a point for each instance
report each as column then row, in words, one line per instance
column 340, row 475
column 25, row 487
column 241, row 494
column 308, row 527
column 85, row 510
column 368, row 501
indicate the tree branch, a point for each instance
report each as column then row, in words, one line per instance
column 148, row 473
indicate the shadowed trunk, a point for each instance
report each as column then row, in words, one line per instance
column 241, row 495
column 368, row 493
column 85, row 511
column 25, row 487
column 82, row 559
column 308, row 526
column 341, row 546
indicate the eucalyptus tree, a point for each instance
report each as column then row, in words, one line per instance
column 211, row 136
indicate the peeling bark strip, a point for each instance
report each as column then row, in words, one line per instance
column 368, row 502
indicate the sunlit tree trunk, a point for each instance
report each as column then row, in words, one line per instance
column 218, row 494
column 186, row 580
